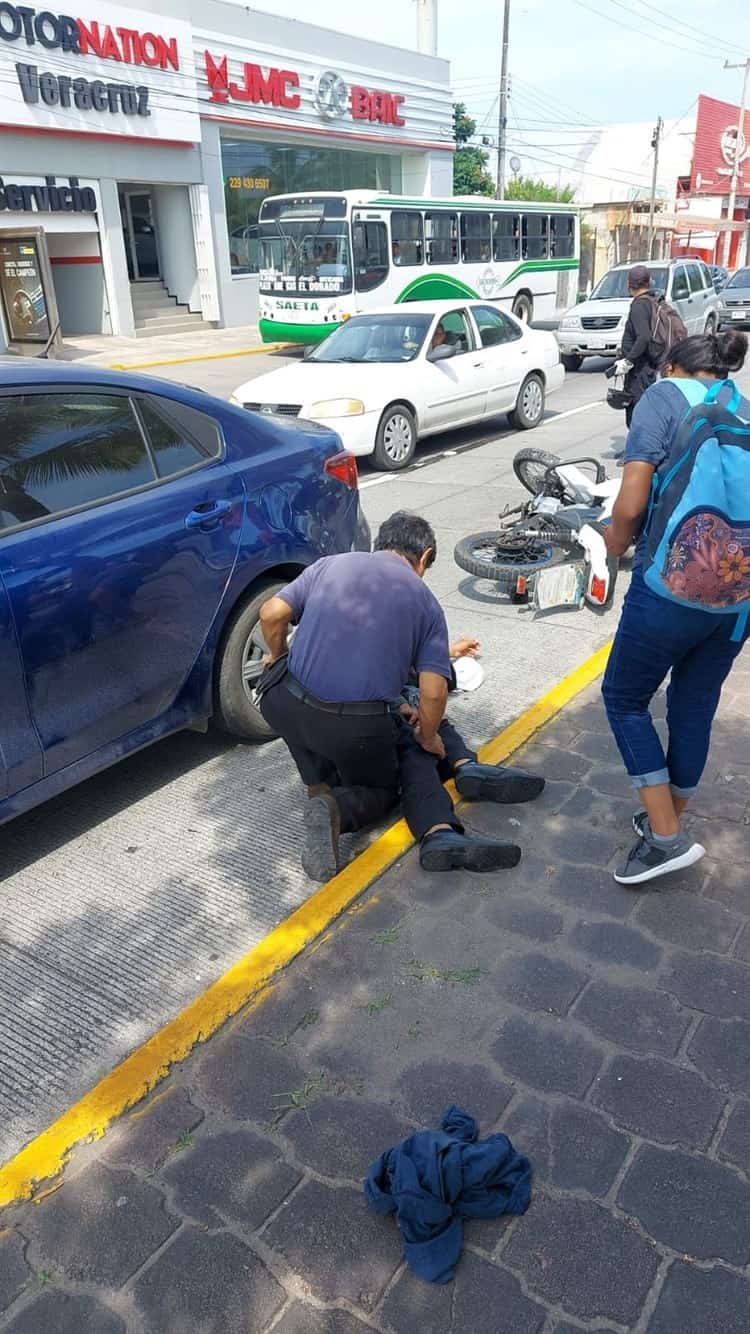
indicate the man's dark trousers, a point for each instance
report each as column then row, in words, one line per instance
column 353, row 754
column 424, row 800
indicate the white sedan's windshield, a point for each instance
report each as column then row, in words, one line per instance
column 380, row 338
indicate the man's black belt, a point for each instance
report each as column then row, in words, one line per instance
column 353, row 708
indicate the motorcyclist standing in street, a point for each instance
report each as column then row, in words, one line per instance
column 635, row 363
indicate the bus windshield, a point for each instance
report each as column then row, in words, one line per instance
column 307, row 254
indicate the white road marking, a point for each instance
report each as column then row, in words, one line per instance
column 378, row 481
column 453, row 453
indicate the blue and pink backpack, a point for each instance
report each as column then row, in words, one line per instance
column 698, row 529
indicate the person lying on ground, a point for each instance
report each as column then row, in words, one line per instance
column 428, row 809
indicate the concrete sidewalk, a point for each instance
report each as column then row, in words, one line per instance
column 607, row 1031
column 98, row 350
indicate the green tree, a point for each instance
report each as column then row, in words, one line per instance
column 526, row 187
column 470, row 174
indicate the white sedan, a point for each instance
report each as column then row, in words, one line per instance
column 384, row 380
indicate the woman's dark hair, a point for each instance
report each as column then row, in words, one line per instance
column 710, row 354
column 408, row 534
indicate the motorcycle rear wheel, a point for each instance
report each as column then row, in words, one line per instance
column 477, row 555
column 530, row 467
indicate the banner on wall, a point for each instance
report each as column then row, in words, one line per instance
column 718, row 145
column 27, row 293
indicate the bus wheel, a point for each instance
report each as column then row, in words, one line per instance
column 523, row 308
column 396, row 439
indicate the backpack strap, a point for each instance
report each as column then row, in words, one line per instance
column 694, row 391
column 735, row 396
column 740, row 627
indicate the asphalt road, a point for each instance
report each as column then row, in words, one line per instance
column 126, row 897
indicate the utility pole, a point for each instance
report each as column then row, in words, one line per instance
column 737, row 163
column 502, row 122
column 427, row 26
column 655, row 142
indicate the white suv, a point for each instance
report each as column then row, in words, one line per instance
column 594, row 328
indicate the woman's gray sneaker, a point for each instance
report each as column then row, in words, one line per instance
column 648, row 860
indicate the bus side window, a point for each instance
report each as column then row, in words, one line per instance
column 370, row 254
column 475, row 238
column 534, row 233
column 441, row 232
column 407, row 238
column 562, row 236
column 506, row 229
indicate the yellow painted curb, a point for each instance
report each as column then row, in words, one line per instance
column 130, row 1081
column 208, row 356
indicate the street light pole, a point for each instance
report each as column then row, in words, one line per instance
column 655, row 141
column 737, row 163
column 502, row 122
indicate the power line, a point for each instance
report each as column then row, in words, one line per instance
column 642, row 32
column 676, row 25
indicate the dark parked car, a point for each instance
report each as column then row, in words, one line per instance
column 734, row 307
column 142, row 524
column 720, row 276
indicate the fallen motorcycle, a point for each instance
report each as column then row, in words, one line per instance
column 550, row 551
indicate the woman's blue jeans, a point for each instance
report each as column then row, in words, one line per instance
column 655, row 636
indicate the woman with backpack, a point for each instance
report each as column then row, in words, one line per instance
column 686, row 610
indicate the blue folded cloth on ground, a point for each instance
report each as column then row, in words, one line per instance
column 436, row 1178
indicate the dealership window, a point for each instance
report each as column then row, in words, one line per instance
column 476, row 245
column 407, row 238
column 441, row 233
column 507, row 236
column 252, row 170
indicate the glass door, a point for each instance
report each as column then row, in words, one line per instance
column 139, row 231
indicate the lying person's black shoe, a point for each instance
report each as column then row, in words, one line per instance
column 447, row 850
column 493, row 782
column 320, row 855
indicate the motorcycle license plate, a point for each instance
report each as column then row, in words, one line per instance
column 560, row 586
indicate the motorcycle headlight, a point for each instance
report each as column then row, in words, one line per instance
column 336, row 407
column 571, row 322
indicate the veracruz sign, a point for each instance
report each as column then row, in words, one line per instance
column 97, row 73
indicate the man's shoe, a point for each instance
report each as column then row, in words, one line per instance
column 447, row 850
column 320, row 855
column 493, row 782
column 648, row 860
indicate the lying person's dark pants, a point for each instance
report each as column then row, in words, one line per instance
column 353, row 753
column 424, row 800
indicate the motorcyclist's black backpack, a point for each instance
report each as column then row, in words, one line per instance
column 667, row 330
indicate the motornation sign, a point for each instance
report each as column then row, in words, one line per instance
column 98, row 71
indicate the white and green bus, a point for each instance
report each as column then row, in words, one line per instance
column 325, row 257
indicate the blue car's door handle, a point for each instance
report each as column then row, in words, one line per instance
column 205, row 513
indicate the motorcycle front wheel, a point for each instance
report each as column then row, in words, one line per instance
column 530, row 467
column 481, row 555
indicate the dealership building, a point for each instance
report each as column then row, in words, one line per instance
column 143, row 144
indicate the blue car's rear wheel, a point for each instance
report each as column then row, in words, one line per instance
column 239, row 669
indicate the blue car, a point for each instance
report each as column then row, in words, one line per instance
column 142, row 525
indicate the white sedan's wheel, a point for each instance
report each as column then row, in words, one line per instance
column 529, row 408
column 396, row 439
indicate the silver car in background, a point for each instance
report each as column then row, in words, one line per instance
column 594, row 327
column 734, row 302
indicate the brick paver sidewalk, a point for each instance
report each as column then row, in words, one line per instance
column 608, row 1031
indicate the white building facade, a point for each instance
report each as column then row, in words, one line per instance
column 144, row 144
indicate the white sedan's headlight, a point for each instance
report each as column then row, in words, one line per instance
column 336, row 407
column 570, row 322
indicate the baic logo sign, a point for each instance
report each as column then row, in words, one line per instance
column 73, row 36
column 331, row 97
